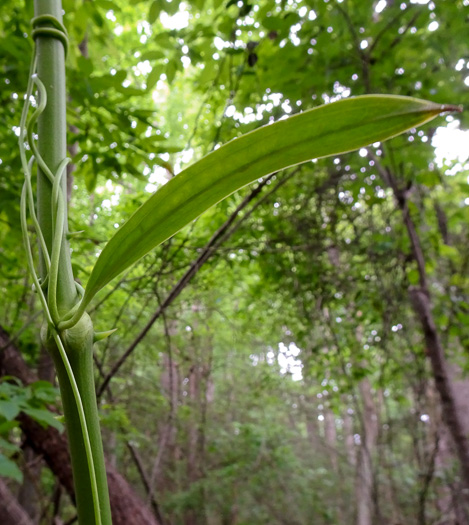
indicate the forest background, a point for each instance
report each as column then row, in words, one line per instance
column 275, row 362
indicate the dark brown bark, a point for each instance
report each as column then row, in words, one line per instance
column 426, row 482
column 11, row 512
column 443, row 383
column 450, row 499
column 421, row 302
column 127, row 508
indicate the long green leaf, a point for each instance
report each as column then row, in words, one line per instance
column 332, row 129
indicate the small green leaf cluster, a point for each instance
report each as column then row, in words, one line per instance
column 32, row 400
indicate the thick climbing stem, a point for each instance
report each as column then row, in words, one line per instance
column 59, row 294
column 83, row 425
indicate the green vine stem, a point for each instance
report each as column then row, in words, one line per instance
column 59, row 294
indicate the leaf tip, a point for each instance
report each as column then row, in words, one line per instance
column 99, row 336
column 451, row 108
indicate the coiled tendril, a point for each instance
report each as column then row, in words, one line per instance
column 52, row 259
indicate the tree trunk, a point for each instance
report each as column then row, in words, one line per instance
column 349, row 440
column 421, row 301
column 27, row 495
column 369, row 434
column 11, row 512
column 331, row 438
column 444, row 385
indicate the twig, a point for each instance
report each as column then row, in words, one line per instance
column 138, row 462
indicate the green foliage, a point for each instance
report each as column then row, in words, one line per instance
column 32, row 400
column 316, row 272
column 8, row 468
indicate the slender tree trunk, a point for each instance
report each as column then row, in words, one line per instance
column 349, row 440
column 310, row 411
column 146, row 481
column 194, row 515
column 330, row 433
column 421, row 302
column 369, row 434
column 450, row 498
column 444, row 385
column 11, row 512
column 27, row 495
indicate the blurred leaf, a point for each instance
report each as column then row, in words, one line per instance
column 152, row 55
column 8, row 469
column 44, row 417
column 8, row 447
column 9, row 409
